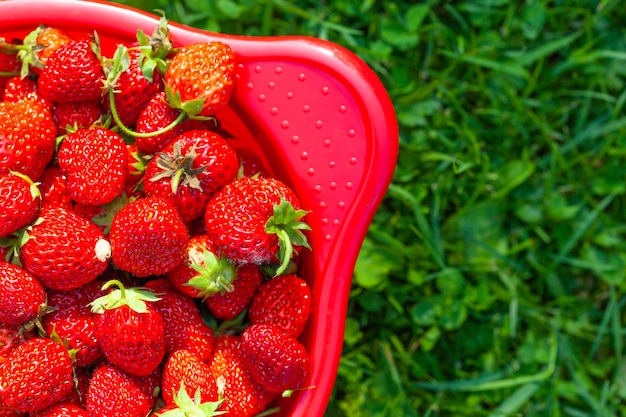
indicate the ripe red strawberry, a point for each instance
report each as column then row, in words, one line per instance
column 72, row 73
column 39, row 44
column 62, row 409
column 9, row 64
column 284, row 301
column 190, row 169
column 275, row 359
column 23, row 89
column 76, row 115
column 36, row 375
column 22, row 297
column 95, row 163
column 114, row 393
column 148, row 237
column 73, row 322
column 155, row 116
column 185, row 369
column 20, row 202
column 256, row 220
column 132, row 90
column 63, row 250
column 129, row 330
column 230, row 302
column 200, row 78
column 29, row 137
column 243, row 396
column 200, row 256
column 184, row 327
column 10, row 338
column 53, row 188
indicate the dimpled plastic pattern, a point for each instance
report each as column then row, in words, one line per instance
column 320, row 120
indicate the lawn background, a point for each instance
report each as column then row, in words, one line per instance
column 491, row 282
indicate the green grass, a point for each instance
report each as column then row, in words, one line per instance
column 491, row 282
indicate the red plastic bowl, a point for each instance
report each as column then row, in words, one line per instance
column 324, row 125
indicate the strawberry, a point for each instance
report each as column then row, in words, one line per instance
column 10, row 338
column 63, row 250
column 201, row 262
column 200, row 78
column 256, row 220
column 185, row 369
column 190, row 169
column 9, row 66
column 75, row 115
column 154, row 117
column 29, row 138
column 284, row 301
column 148, row 237
column 53, row 188
column 132, row 90
column 242, row 395
column 39, row 44
column 114, row 393
column 183, row 405
column 130, row 331
column 95, row 163
column 20, row 202
column 184, row 327
column 22, row 297
column 230, row 302
column 61, row 409
column 23, row 89
column 72, row 73
column 37, row 374
column 73, row 322
column 275, row 359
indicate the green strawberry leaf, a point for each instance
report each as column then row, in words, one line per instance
column 135, row 298
column 287, row 224
column 215, row 274
column 192, row 407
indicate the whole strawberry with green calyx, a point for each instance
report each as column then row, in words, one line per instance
column 202, row 272
column 148, row 237
column 284, row 301
column 256, row 220
column 200, row 78
column 95, row 162
column 275, row 359
column 28, row 138
column 73, row 72
column 20, row 202
column 183, row 406
column 37, row 47
column 22, row 297
column 130, row 331
column 190, row 169
column 63, row 250
column 185, row 369
column 36, row 375
column 114, row 393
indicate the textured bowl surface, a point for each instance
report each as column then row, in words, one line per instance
column 321, row 120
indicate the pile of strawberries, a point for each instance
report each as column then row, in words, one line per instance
column 149, row 266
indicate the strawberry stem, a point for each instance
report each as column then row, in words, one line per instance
column 135, row 298
column 287, row 225
column 131, row 132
